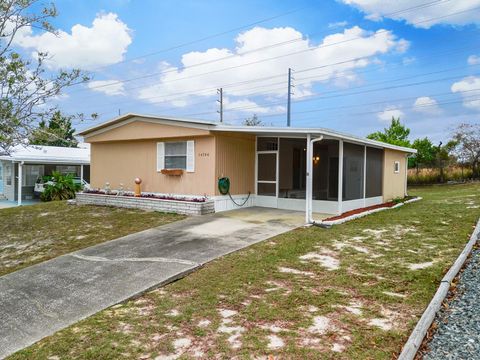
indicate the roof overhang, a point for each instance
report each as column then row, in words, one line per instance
column 303, row 132
column 45, row 161
column 40, row 154
column 255, row 130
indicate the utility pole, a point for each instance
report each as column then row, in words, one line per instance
column 289, row 96
column 220, row 101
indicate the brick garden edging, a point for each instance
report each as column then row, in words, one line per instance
column 173, row 206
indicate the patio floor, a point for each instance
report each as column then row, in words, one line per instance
column 4, row 204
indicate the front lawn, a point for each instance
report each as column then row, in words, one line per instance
column 31, row 234
column 351, row 292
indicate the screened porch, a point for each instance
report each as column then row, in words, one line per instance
column 292, row 170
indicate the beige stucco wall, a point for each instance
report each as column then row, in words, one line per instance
column 139, row 129
column 122, row 161
column 393, row 183
column 235, row 158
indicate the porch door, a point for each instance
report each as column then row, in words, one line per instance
column 267, row 178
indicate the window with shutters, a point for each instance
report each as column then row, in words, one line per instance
column 176, row 155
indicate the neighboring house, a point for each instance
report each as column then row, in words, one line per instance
column 20, row 169
column 268, row 162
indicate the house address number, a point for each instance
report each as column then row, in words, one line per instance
column 203, row 154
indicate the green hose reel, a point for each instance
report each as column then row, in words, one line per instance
column 224, row 188
column 224, row 185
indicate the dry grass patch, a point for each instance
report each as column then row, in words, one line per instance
column 31, row 234
column 351, row 292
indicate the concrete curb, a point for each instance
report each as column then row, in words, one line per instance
column 418, row 334
column 365, row 213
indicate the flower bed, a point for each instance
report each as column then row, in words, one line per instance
column 155, row 202
column 357, row 213
column 145, row 195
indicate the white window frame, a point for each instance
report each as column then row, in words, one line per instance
column 189, row 155
column 396, row 167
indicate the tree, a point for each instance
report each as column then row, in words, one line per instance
column 426, row 153
column 467, row 141
column 253, row 121
column 442, row 157
column 396, row 134
column 58, row 132
column 26, row 87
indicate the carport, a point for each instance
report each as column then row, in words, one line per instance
column 25, row 164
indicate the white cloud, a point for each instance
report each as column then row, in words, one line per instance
column 190, row 77
column 473, row 60
column 104, row 43
column 245, row 105
column 108, row 87
column 420, row 15
column 469, row 88
column 338, row 24
column 426, row 105
column 389, row 112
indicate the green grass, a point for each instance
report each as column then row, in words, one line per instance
column 31, row 234
column 374, row 254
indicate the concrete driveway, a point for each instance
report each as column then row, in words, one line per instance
column 39, row 300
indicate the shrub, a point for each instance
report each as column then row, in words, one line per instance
column 61, row 188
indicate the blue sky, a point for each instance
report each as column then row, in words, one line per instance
column 356, row 62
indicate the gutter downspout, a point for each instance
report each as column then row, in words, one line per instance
column 309, row 200
column 19, row 182
column 406, row 174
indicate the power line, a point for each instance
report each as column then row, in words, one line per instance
column 256, row 23
column 470, row 98
column 206, row 37
column 264, row 60
column 370, row 104
column 411, row 107
column 368, row 85
column 338, row 93
column 200, row 92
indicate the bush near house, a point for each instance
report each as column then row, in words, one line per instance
column 61, row 187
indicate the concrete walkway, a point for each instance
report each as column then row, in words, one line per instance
column 39, row 300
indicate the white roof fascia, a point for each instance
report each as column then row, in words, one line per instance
column 213, row 126
column 48, row 155
column 275, row 131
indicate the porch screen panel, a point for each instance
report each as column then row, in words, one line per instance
column 352, row 171
column 267, row 174
column 292, row 171
column 374, row 181
column 31, row 173
column 325, row 170
column 267, row 189
column 267, row 167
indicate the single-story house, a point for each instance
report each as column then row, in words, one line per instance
column 316, row 169
column 24, row 164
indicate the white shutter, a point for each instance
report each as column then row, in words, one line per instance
column 191, row 156
column 160, row 156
